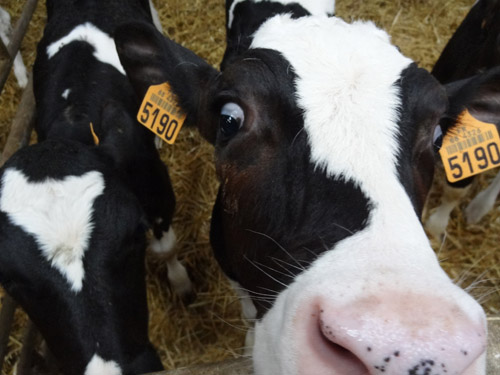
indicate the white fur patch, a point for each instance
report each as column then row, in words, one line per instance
column 346, row 75
column 98, row 366
column 66, row 93
column 178, row 277
column 247, row 306
column 249, row 313
column 166, row 243
column 177, row 273
column 155, row 17
column 315, row 7
column 57, row 213
column 104, row 45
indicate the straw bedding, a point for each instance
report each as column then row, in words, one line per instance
column 210, row 329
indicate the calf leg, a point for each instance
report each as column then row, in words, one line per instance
column 163, row 244
column 438, row 221
column 249, row 314
column 20, row 71
column 483, row 202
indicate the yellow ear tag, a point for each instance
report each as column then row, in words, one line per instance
column 469, row 148
column 94, row 135
column 160, row 113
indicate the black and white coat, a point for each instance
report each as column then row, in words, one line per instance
column 76, row 73
column 72, row 254
column 74, row 215
column 471, row 61
column 323, row 135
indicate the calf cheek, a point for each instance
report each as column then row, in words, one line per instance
column 423, row 171
column 244, row 176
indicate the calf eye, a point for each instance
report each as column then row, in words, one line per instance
column 231, row 119
column 437, row 138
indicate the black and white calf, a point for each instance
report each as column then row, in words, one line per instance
column 323, row 143
column 72, row 254
column 472, row 50
column 77, row 70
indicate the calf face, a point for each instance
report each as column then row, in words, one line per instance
column 72, row 254
column 77, row 72
column 464, row 65
column 323, row 144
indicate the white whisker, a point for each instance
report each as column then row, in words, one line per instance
column 264, row 272
column 277, row 244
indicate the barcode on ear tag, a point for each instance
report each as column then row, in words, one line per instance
column 160, row 113
column 469, row 148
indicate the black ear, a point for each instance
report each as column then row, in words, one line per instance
column 120, row 136
column 479, row 94
column 474, row 46
column 149, row 58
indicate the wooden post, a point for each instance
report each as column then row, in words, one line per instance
column 22, row 123
column 6, row 318
column 16, row 39
column 25, row 363
column 493, row 361
column 4, row 53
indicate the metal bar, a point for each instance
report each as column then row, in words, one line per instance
column 22, row 123
column 16, row 39
column 6, row 318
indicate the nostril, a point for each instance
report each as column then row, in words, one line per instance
column 326, row 354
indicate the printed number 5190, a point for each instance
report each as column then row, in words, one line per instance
column 479, row 160
column 165, row 127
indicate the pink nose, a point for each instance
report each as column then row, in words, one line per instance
column 398, row 334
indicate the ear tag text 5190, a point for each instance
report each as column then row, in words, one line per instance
column 469, row 148
column 160, row 113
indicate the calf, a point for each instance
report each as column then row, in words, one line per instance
column 472, row 50
column 72, row 254
column 76, row 70
column 324, row 150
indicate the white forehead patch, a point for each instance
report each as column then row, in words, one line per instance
column 104, row 45
column 57, row 213
column 315, row 7
column 98, row 366
column 346, row 76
